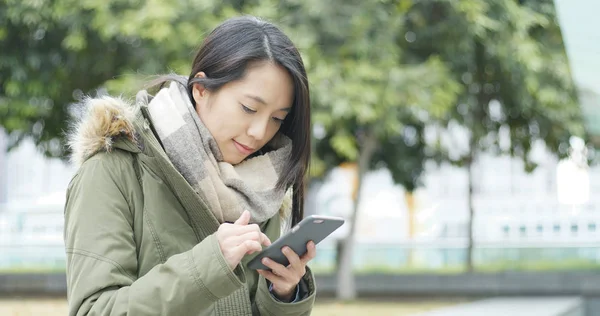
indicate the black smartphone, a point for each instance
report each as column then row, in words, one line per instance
column 313, row 227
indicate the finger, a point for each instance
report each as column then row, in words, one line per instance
column 266, row 241
column 238, row 230
column 297, row 266
column 244, row 218
column 253, row 235
column 277, row 268
column 247, row 247
column 292, row 257
column 311, row 252
column 271, row 276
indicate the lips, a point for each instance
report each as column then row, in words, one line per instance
column 243, row 149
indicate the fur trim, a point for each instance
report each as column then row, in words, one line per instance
column 285, row 212
column 102, row 121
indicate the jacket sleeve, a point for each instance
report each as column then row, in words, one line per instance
column 102, row 260
column 269, row 306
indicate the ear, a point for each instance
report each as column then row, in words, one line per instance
column 199, row 92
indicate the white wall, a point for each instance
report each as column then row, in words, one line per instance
column 3, row 176
column 30, row 175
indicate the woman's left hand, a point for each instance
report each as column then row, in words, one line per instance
column 285, row 279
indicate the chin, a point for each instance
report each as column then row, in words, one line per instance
column 233, row 160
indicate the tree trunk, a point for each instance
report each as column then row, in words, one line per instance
column 410, row 208
column 477, row 129
column 346, row 289
column 471, row 213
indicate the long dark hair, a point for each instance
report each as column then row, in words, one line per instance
column 224, row 57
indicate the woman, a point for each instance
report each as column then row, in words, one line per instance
column 174, row 193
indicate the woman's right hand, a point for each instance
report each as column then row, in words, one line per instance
column 239, row 239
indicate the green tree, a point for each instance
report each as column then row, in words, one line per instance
column 380, row 72
column 501, row 51
column 371, row 103
column 52, row 53
column 362, row 90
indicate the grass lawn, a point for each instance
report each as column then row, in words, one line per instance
column 58, row 307
column 33, row 306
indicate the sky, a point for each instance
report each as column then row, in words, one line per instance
column 580, row 24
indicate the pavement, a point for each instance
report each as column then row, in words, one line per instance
column 515, row 306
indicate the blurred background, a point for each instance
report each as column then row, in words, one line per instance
column 458, row 138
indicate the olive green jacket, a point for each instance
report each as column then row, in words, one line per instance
column 139, row 240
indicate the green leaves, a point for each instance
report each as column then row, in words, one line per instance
column 364, row 83
column 501, row 51
column 382, row 68
column 58, row 51
column 345, row 144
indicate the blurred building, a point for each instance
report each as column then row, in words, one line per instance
column 549, row 208
column 31, row 215
column 513, row 206
column 552, row 204
column 548, row 214
column 3, row 177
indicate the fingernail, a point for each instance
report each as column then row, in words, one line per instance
column 286, row 249
column 265, row 260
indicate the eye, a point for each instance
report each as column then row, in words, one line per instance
column 247, row 109
column 278, row 120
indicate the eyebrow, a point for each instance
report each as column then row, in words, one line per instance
column 262, row 101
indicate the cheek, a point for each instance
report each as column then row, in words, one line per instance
column 228, row 123
column 273, row 129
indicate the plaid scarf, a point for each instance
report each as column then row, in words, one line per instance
column 227, row 189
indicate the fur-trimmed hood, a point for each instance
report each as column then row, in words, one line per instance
column 101, row 122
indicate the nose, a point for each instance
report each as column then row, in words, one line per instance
column 258, row 129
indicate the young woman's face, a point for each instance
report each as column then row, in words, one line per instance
column 244, row 115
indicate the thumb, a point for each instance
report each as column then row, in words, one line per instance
column 244, row 218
